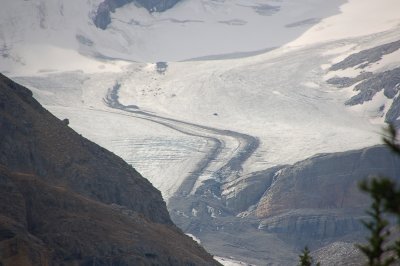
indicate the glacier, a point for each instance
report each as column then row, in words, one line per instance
column 210, row 92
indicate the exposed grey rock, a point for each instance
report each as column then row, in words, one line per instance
column 388, row 81
column 5, row 50
column 307, row 225
column 306, row 22
column 366, row 57
column 247, row 191
column 372, row 83
column 227, row 235
column 161, row 67
column 327, row 181
column 315, row 202
column 102, row 17
column 157, row 5
column 266, row 10
column 394, row 112
column 344, row 82
column 84, row 40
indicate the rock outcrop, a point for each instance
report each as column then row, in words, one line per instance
column 368, row 84
column 102, row 17
column 272, row 213
column 65, row 200
column 327, row 181
column 317, row 201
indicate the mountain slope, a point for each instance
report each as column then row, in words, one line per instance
column 186, row 125
column 314, row 202
column 36, row 35
column 102, row 17
column 56, row 226
column 66, row 200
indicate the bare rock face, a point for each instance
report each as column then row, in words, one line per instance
column 55, row 226
column 103, row 15
column 317, row 201
column 366, row 57
column 157, row 5
column 65, row 200
column 327, row 181
column 369, row 83
column 269, row 216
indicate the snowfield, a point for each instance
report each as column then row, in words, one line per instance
column 279, row 97
column 36, row 35
column 356, row 18
column 290, row 109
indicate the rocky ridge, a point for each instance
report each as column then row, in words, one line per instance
column 315, row 202
column 368, row 84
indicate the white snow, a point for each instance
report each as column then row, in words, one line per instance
column 192, row 29
column 230, row 261
column 194, row 238
column 280, row 97
column 356, row 18
column 56, row 59
column 278, row 106
column 375, row 109
column 388, row 62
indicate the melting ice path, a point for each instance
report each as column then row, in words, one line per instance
column 231, row 149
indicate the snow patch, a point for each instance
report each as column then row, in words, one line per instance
column 194, row 238
column 356, row 18
column 231, row 262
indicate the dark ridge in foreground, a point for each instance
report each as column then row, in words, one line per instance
column 66, row 201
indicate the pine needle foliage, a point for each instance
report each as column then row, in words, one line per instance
column 385, row 195
column 305, row 258
column 377, row 247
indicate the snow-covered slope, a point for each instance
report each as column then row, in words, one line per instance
column 356, row 18
column 36, row 35
column 46, row 36
column 280, row 97
column 290, row 104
